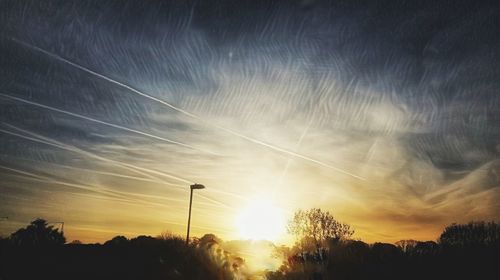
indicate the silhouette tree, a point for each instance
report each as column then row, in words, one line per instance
column 317, row 226
column 118, row 240
column 471, row 234
column 38, row 233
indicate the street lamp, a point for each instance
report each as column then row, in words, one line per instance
column 193, row 187
column 62, row 225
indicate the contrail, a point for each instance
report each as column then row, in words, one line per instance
column 116, row 195
column 109, row 173
column 134, row 178
column 119, row 175
column 21, row 172
column 51, row 142
column 180, row 110
column 116, row 175
column 139, row 179
column 104, row 197
column 75, row 150
column 102, row 173
column 103, row 122
column 57, row 144
column 299, row 142
column 39, row 178
column 289, row 161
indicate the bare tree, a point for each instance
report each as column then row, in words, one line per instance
column 317, row 226
column 407, row 245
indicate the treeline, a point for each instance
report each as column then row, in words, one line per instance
column 39, row 252
column 324, row 251
column 463, row 251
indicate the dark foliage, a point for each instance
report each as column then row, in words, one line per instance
column 143, row 257
column 471, row 235
column 38, row 233
column 469, row 251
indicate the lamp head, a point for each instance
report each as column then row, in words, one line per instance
column 197, row 187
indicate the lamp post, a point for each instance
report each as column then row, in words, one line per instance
column 62, row 225
column 193, row 187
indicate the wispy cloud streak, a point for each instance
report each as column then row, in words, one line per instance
column 187, row 113
column 104, row 123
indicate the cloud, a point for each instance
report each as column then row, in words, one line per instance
column 283, row 98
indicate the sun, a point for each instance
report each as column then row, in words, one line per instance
column 261, row 220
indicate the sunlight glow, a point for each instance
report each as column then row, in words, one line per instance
column 261, row 220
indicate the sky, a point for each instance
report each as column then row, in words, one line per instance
column 386, row 114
